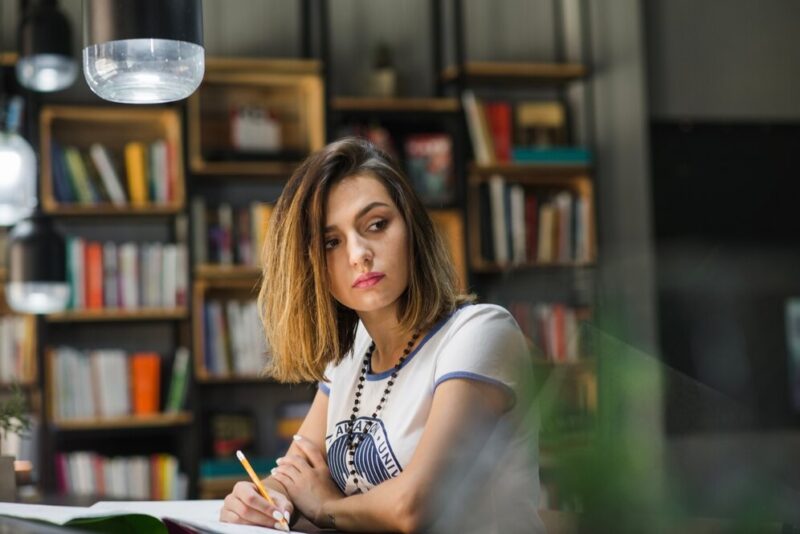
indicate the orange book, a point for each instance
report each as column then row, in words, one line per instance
column 145, row 382
column 94, row 275
column 136, row 169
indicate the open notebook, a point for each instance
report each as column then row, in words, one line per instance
column 135, row 517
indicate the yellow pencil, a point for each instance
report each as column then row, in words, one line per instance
column 257, row 482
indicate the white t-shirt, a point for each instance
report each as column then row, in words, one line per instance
column 476, row 342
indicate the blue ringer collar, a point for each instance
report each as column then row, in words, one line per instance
column 432, row 332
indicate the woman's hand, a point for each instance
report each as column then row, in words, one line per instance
column 245, row 505
column 307, row 479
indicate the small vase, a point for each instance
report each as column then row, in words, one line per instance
column 383, row 83
column 8, row 481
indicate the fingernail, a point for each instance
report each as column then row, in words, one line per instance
column 281, row 526
column 273, row 471
column 297, row 437
column 287, row 515
column 279, row 460
column 277, row 515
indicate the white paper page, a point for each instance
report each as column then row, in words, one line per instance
column 201, row 514
column 200, row 510
column 58, row 515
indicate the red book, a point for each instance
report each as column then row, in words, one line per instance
column 145, row 382
column 498, row 115
column 94, row 275
column 155, row 478
column 98, row 467
column 532, row 226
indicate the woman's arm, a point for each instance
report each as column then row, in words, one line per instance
column 245, row 505
column 463, row 413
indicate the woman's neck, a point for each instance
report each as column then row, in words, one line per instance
column 390, row 339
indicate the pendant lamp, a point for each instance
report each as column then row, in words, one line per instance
column 45, row 48
column 17, row 170
column 143, row 51
column 37, row 267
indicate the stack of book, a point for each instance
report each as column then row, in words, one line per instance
column 94, row 176
column 16, row 357
column 126, row 276
column 234, row 342
column 525, row 226
column 540, row 132
column 111, row 383
column 229, row 236
column 551, row 327
column 154, row 477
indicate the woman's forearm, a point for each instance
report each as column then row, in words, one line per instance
column 387, row 507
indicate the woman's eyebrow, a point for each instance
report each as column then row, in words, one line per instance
column 363, row 211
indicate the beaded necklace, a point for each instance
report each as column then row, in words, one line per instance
column 352, row 439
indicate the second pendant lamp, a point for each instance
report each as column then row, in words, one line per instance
column 143, row 51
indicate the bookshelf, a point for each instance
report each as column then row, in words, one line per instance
column 139, row 174
column 114, row 179
column 288, row 92
column 529, row 182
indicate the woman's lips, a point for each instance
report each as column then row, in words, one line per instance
column 369, row 282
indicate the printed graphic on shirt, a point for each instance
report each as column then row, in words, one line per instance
column 375, row 461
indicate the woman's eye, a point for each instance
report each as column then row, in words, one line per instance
column 331, row 243
column 379, row 225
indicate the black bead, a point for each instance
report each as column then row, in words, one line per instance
column 353, row 472
column 360, row 378
column 353, row 417
column 358, row 393
column 357, row 401
column 391, row 383
column 386, row 391
column 355, row 410
column 361, row 386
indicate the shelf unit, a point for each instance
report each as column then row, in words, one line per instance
column 291, row 89
column 118, row 315
column 132, row 422
column 500, row 73
column 114, row 126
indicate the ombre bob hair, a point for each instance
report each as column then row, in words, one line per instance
column 306, row 327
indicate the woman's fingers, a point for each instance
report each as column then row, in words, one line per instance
column 246, row 504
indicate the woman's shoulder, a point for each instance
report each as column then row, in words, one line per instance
column 480, row 314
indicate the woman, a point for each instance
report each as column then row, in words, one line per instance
column 420, row 391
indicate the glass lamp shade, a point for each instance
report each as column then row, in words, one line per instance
column 45, row 49
column 46, row 72
column 17, row 179
column 37, row 267
column 143, row 51
column 144, row 71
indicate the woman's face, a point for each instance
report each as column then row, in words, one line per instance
column 366, row 245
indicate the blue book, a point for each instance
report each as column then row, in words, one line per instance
column 556, row 154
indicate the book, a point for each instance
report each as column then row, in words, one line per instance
column 79, row 176
column 476, row 125
column 429, row 159
column 136, row 169
column 108, row 173
column 498, row 116
column 145, row 382
column 157, row 517
column 179, row 382
column 556, row 154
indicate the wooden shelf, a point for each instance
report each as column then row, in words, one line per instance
column 280, row 170
column 395, row 105
column 227, row 272
column 105, row 210
column 130, row 421
column 568, row 170
column 113, row 315
column 492, row 72
column 481, row 266
column 233, row 380
column 8, row 59
column 291, row 89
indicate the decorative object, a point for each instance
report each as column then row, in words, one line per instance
column 255, row 129
column 143, row 51
column 37, row 278
column 17, row 170
column 45, row 48
column 383, row 77
column 13, row 420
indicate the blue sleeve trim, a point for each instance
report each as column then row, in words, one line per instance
column 479, row 378
column 325, row 389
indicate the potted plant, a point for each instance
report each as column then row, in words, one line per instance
column 14, row 419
